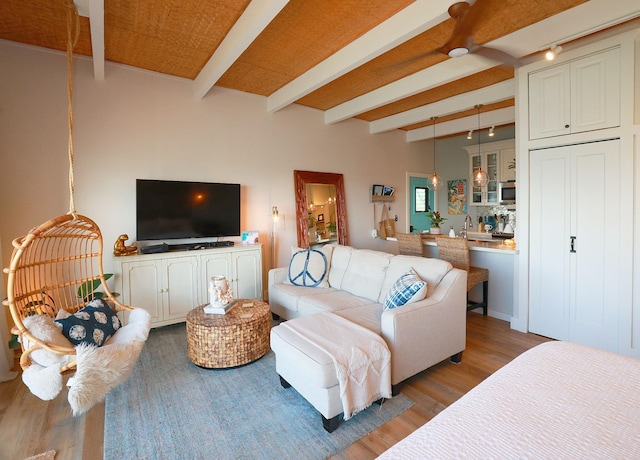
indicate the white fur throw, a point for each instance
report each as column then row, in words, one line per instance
column 44, row 328
column 43, row 382
column 99, row 370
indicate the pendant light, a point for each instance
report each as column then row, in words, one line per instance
column 480, row 177
column 436, row 181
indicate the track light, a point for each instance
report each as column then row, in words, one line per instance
column 553, row 52
column 491, row 133
column 470, row 135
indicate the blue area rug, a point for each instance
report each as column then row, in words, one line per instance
column 173, row 409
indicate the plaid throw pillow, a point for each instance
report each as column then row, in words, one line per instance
column 408, row 288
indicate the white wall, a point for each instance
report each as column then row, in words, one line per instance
column 138, row 124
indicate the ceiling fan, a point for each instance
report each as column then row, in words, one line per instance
column 461, row 40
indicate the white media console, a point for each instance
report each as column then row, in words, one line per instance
column 169, row 284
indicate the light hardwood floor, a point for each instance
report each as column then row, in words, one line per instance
column 29, row 426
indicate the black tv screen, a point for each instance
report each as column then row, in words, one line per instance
column 176, row 210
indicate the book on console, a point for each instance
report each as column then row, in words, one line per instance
column 219, row 310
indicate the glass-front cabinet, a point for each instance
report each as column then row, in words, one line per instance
column 488, row 157
column 487, row 195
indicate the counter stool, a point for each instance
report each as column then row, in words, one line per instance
column 409, row 244
column 456, row 251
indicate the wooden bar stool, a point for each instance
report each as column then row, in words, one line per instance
column 409, row 244
column 456, row 251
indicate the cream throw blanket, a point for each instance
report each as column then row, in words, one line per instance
column 361, row 358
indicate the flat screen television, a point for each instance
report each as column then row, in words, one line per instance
column 177, row 210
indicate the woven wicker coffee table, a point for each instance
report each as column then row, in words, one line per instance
column 238, row 337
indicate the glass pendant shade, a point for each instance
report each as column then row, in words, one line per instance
column 436, row 181
column 480, row 178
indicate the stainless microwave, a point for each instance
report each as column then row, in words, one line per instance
column 507, row 192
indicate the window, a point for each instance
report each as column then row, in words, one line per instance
column 421, row 201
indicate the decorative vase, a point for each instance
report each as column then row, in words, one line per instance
column 435, row 231
column 220, row 293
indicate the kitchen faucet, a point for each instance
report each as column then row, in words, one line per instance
column 467, row 218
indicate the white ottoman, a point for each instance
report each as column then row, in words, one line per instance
column 302, row 348
column 310, row 371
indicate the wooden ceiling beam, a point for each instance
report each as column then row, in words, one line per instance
column 94, row 10
column 487, row 95
column 498, row 117
column 431, row 77
column 406, row 24
column 575, row 22
column 254, row 20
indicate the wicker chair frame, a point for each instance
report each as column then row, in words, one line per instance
column 456, row 251
column 409, row 244
column 48, row 266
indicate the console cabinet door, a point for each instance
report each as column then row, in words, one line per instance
column 180, row 286
column 142, row 287
column 214, row 265
column 248, row 274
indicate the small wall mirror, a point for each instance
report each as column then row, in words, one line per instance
column 321, row 211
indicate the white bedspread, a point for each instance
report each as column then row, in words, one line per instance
column 557, row 400
column 361, row 358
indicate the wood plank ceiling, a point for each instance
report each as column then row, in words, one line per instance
column 373, row 60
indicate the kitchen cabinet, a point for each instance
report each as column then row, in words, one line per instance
column 576, row 96
column 169, row 285
column 508, row 165
column 489, row 157
column 576, row 267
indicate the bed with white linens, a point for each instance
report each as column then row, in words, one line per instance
column 556, row 400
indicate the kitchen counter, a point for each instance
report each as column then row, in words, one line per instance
column 501, row 261
column 495, row 245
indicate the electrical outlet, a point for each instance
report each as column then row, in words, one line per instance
column 396, row 218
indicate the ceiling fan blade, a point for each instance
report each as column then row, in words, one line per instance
column 496, row 55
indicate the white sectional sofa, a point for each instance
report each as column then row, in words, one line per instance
column 418, row 334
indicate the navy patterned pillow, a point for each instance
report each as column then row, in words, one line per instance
column 93, row 325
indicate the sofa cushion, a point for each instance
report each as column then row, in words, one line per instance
column 430, row 270
column 408, row 288
column 288, row 295
column 365, row 273
column 367, row 316
column 339, row 263
column 332, row 300
column 310, row 267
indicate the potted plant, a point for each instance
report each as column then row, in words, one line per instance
column 436, row 220
column 332, row 227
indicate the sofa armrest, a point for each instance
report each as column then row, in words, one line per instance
column 277, row 275
column 424, row 333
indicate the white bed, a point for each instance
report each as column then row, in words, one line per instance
column 557, row 400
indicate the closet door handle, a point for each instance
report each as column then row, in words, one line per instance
column 573, row 243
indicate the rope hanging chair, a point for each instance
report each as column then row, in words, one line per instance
column 53, row 273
